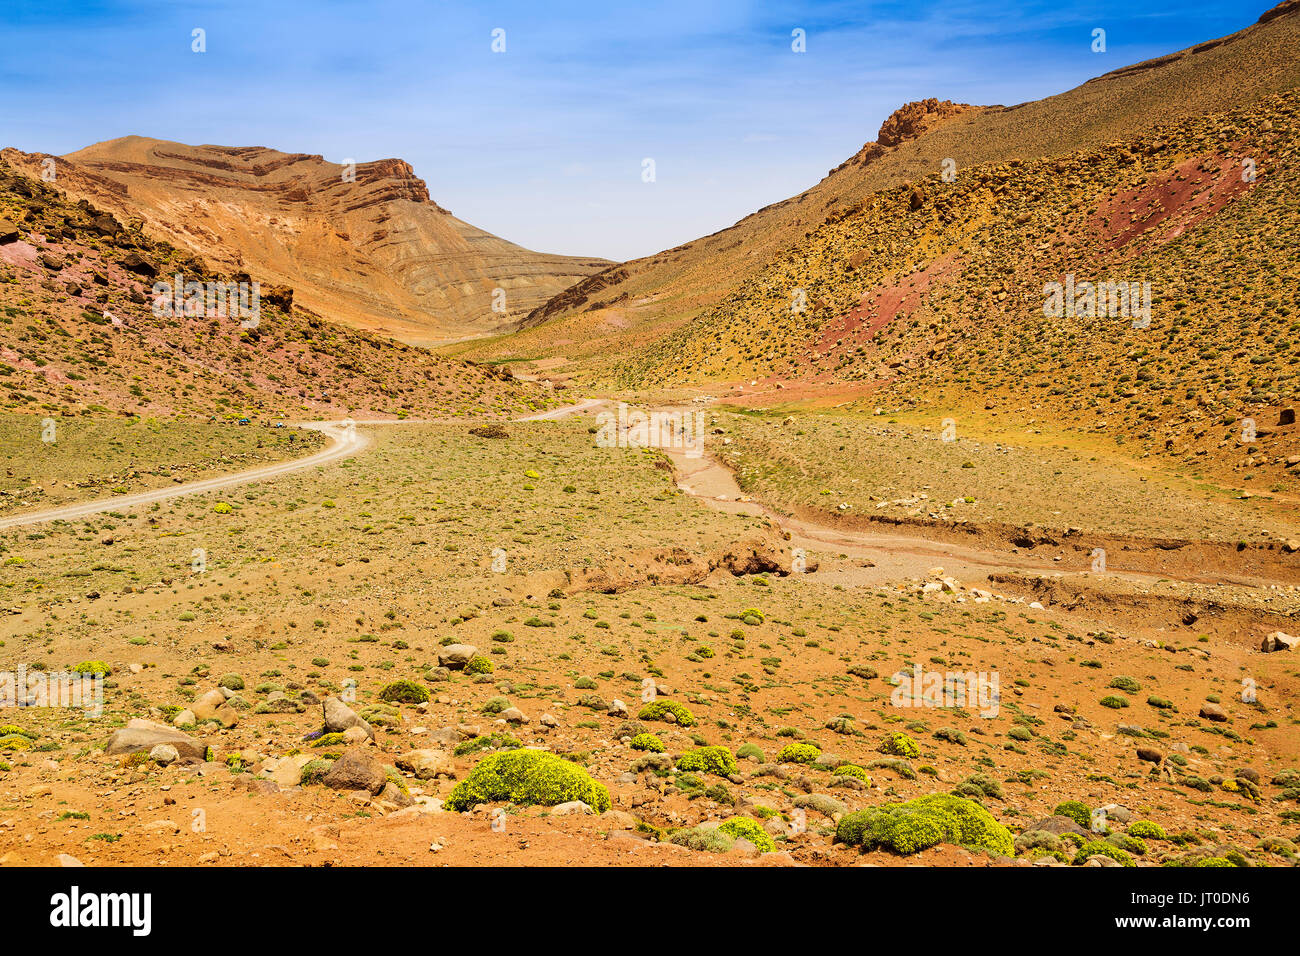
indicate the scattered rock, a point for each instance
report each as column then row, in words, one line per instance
column 456, row 656
column 355, row 770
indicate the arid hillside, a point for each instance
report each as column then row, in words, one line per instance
column 628, row 306
column 79, row 335
column 363, row 246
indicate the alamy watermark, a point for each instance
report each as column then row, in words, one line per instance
column 1109, row 299
column 632, row 428
column 213, row 300
column 969, row 689
column 24, row 688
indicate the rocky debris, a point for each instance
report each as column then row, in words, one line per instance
column 1150, row 754
column 339, row 718
column 1277, row 641
column 426, row 764
column 356, row 770
column 513, row 715
column 456, row 656
column 280, row 296
column 143, row 735
column 9, row 232
column 134, row 262
column 214, row 705
column 913, row 120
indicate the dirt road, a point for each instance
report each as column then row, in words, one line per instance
column 346, row 440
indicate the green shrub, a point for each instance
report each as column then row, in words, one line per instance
column 1114, row 701
column 925, row 822
column 313, row 771
column 404, row 692
column 478, row 664
column 659, row 709
column 95, row 668
column 231, row 682
column 1147, row 830
column 750, row 752
column 527, row 777
column 747, row 828
column 1126, row 684
column 798, row 753
column 712, row 840
column 648, row 742
column 852, row 770
column 1076, row 811
column 715, row 760
column 1102, row 848
column 899, row 745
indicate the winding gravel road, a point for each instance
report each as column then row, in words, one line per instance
column 347, row 440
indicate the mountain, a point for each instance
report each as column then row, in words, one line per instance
column 81, row 333
column 627, row 308
column 366, row 247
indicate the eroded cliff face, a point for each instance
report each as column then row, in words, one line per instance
column 363, row 245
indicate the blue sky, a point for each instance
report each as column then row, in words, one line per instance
column 543, row 144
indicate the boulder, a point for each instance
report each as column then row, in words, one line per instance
column 570, row 808
column 131, row 740
column 134, row 262
column 1058, row 825
column 456, row 656
column 355, row 770
column 355, row 736
column 339, row 717
column 285, row 771
column 1117, row 812
column 1213, row 712
column 1277, row 641
column 206, row 705
column 426, row 764
column 164, row 754
column 9, row 232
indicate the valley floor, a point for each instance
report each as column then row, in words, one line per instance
column 582, row 572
